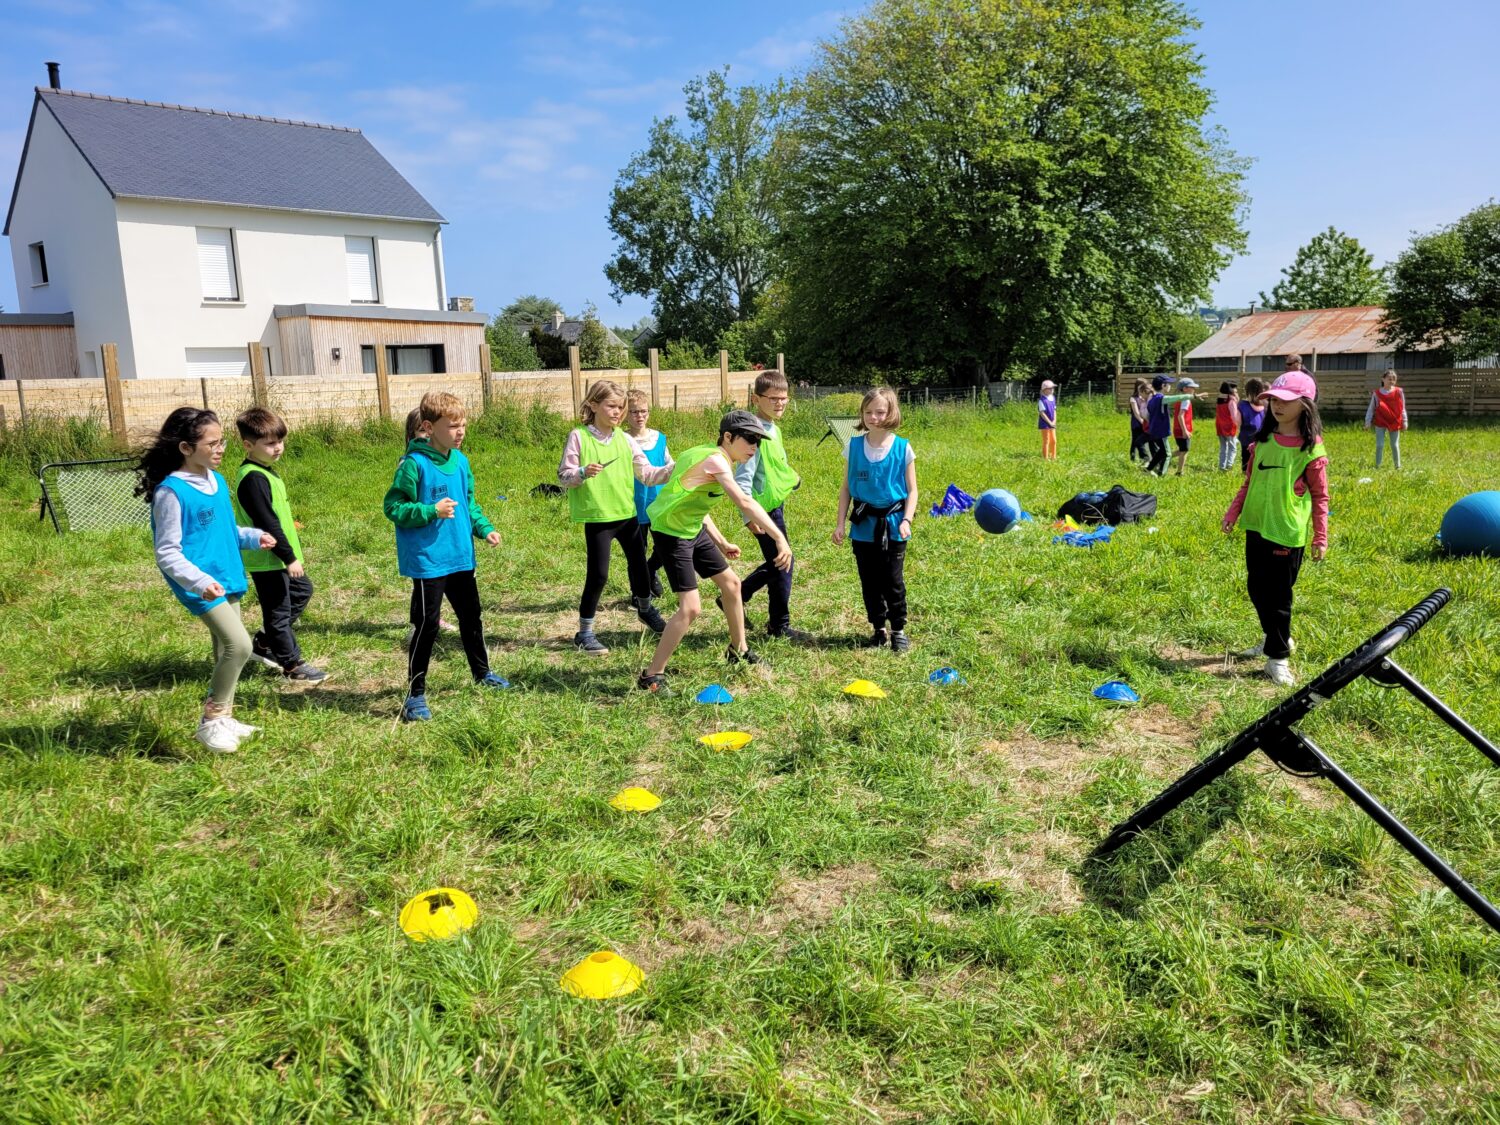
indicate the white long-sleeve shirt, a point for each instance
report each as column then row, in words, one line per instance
column 167, row 512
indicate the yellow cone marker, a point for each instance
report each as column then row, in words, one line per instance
column 602, row 976
column 635, row 799
column 864, row 689
column 727, row 740
column 440, row 913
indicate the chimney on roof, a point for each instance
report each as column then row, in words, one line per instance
column 460, row 304
column 54, row 75
column 557, row 320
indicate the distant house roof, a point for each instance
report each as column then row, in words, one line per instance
column 151, row 150
column 569, row 331
column 1326, row 331
column 643, row 337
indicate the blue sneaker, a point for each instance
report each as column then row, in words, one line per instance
column 492, row 680
column 415, row 709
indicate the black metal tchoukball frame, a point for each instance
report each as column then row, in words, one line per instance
column 1275, row 735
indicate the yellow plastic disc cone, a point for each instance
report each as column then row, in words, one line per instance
column 864, row 689
column 440, row 913
column 601, row 976
column 635, row 799
column 727, row 740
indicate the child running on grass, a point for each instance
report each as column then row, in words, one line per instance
column 771, row 480
column 1387, row 415
column 1283, row 506
column 880, row 483
column 601, row 465
column 437, row 518
column 280, row 575
column 689, row 545
column 653, row 443
column 1046, row 419
column 1227, row 422
column 198, row 550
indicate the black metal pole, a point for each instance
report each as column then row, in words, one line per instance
column 1212, row 767
column 1390, row 671
column 1401, row 834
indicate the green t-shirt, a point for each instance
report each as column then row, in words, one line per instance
column 774, row 477
column 259, row 560
column 1272, row 506
column 679, row 511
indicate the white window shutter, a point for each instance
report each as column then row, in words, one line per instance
column 216, row 264
column 217, row 363
column 359, row 259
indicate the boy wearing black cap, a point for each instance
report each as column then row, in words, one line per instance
column 689, row 545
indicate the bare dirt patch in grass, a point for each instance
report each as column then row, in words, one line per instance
column 1035, row 865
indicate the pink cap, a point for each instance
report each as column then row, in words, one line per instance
column 1047, row 383
column 1294, row 384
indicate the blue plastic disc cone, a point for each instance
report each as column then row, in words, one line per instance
column 946, row 675
column 1116, row 691
column 713, row 693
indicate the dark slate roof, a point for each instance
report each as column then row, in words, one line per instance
column 570, row 330
column 151, row 150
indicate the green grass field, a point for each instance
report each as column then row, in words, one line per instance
column 875, row 911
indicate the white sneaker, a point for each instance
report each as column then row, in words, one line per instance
column 218, row 735
column 1280, row 672
column 1260, row 650
column 241, row 730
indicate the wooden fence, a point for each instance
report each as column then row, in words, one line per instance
column 1429, row 392
column 134, row 408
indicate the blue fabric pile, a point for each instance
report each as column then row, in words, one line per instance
column 1092, row 538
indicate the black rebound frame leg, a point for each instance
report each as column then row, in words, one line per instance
column 1275, row 735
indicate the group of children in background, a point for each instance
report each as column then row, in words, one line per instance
column 622, row 484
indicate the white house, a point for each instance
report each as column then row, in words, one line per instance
column 183, row 234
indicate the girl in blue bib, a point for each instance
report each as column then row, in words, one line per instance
column 879, row 499
column 198, row 550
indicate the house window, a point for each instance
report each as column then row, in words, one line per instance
column 367, row 358
column 359, row 261
column 216, row 270
column 415, row 359
column 217, row 363
column 38, row 264
column 1413, row 361
column 2, row 365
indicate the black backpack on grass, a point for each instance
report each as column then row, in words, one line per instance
column 1123, row 506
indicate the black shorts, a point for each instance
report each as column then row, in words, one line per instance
column 685, row 560
column 1182, row 444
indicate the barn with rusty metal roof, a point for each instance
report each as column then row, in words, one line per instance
column 1340, row 339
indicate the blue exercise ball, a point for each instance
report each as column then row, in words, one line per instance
column 1472, row 526
column 997, row 511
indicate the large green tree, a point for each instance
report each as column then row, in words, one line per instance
column 1333, row 271
column 693, row 213
column 527, row 311
column 982, row 185
column 1445, row 288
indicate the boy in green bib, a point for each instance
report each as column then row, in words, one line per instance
column 279, row 574
column 690, row 546
column 771, row 480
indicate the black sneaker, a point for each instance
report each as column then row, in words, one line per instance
column 650, row 616
column 796, row 636
column 877, row 639
column 900, row 642
column 720, row 603
column 306, row 673
column 260, row 653
column 749, row 656
column 590, row 644
column 657, row 684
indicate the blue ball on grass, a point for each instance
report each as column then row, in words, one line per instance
column 1472, row 526
column 997, row 511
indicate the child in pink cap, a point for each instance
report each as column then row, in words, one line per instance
column 1283, row 507
column 1046, row 420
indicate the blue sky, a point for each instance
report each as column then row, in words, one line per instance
column 513, row 117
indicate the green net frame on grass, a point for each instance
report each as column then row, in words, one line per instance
column 92, row 495
column 841, row 428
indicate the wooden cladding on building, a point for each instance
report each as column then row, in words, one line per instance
column 308, row 343
column 38, row 351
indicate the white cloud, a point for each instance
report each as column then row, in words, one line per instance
column 793, row 44
column 269, row 15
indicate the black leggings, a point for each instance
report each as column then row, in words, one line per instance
column 1138, row 442
column 1158, row 447
column 882, row 580
column 1270, row 574
column 427, row 604
column 596, row 540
